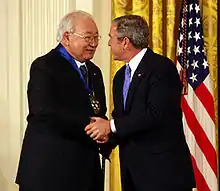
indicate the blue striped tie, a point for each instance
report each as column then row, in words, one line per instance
column 126, row 83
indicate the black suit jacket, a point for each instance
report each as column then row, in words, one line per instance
column 153, row 150
column 56, row 152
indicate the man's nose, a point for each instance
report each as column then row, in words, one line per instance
column 93, row 42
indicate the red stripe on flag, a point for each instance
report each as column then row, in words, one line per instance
column 200, row 136
column 200, row 180
column 207, row 99
column 176, row 59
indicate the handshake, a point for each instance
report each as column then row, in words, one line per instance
column 98, row 129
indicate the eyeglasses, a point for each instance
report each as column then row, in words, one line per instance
column 88, row 39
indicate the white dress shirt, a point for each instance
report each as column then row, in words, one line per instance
column 134, row 62
column 80, row 63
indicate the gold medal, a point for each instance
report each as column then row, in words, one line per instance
column 94, row 103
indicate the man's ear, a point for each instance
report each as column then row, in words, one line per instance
column 126, row 42
column 66, row 38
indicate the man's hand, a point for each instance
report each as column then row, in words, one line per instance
column 99, row 129
column 103, row 140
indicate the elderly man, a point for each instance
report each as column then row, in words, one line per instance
column 147, row 117
column 64, row 90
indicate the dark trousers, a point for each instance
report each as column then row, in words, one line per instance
column 23, row 188
column 129, row 185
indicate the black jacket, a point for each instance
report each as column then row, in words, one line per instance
column 56, row 152
column 153, row 151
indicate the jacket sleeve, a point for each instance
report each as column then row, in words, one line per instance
column 44, row 107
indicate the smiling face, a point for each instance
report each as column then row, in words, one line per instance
column 75, row 42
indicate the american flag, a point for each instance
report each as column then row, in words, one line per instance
column 197, row 99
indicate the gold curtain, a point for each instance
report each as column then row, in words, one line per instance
column 163, row 19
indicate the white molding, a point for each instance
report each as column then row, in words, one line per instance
column 85, row 5
column 40, row 21
column 10, row 81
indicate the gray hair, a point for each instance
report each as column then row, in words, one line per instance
column 135, row 28
column 67, row 22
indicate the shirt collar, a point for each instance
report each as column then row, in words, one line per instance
column 134, row 62
column 80, row 63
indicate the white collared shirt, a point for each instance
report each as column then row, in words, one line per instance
column 133, row 63
column 80, row 63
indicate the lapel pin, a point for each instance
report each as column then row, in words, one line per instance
column 139, row 74
column 94, row 74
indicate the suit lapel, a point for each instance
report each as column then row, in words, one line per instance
column 118, row 92
column 69, row 70
column 136, row 79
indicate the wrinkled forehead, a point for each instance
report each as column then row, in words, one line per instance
column 85, row 25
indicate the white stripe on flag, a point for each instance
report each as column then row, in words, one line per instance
column 200, row 159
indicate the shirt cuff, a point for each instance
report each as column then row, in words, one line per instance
column 112, row 125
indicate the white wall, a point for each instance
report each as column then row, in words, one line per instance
column 28, row 30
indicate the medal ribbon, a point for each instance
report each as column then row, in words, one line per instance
column 63, row 52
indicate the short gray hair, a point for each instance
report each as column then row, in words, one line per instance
column 67, row 22
column 135, row 28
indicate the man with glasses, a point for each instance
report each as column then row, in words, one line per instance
column 65, row 89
